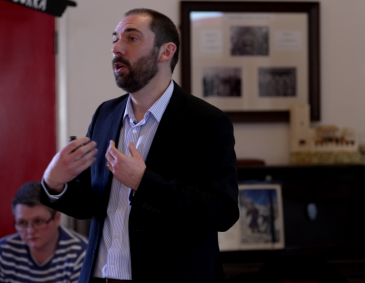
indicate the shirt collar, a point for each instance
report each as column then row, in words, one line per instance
column 157, row 109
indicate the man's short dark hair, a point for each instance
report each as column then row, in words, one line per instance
column 164, row 29
column 29, row 194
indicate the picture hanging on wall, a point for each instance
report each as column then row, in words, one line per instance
column 253, row 60
column 260, row 225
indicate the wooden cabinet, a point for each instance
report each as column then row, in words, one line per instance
column 336, row 238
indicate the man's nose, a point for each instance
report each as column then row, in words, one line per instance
column 30, row 229
column 118, row 48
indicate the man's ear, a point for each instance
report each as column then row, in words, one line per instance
column 167, row 51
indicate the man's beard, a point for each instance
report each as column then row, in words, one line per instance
column 140, row 74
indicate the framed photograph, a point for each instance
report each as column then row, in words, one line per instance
column 261, row 224
column 253, row 60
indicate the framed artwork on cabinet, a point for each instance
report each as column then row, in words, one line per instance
column 261, row 222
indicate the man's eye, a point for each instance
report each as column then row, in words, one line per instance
column 115, row 40
column 22, row 223
column 132, row 38
column 38, row 221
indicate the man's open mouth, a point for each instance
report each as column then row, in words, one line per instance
column 119, row 67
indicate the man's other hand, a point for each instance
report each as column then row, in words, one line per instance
column 127, row 170
column 69, row 162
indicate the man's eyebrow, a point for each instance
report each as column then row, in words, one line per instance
column 132, row 29
column 128, row 30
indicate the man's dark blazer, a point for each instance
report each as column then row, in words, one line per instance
column 188, row 192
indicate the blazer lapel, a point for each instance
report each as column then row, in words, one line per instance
column 116, row 122
column 169, row 127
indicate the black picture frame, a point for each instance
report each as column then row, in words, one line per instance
column 312, row 9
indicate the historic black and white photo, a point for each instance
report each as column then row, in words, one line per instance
column 277, row 82
column 249, row 40
column 274, row 51
column 222, row 81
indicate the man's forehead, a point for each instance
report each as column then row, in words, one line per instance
column 137, row 22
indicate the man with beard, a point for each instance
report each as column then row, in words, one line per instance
column 168, row 181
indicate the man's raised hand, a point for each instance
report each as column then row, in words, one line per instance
column 70, row 161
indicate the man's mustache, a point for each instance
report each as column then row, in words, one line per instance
column 120, row 60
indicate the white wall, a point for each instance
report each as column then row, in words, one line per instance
column 86, row 35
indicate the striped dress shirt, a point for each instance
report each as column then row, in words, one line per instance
column 114, row 259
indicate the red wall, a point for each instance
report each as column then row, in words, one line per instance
column 27, row 101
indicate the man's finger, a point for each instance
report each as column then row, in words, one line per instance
column 86, row 157
column 82, row 150
column 112, row 150
column 109, row 157
column 133, row 150
column 112, row 144
column 75, row 144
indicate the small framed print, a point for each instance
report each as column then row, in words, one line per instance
column 253, row 60
column 261, row 222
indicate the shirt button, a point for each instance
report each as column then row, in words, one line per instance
column 112, row 262
column 134, row 131
column 121, row 209
column 117, row 236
